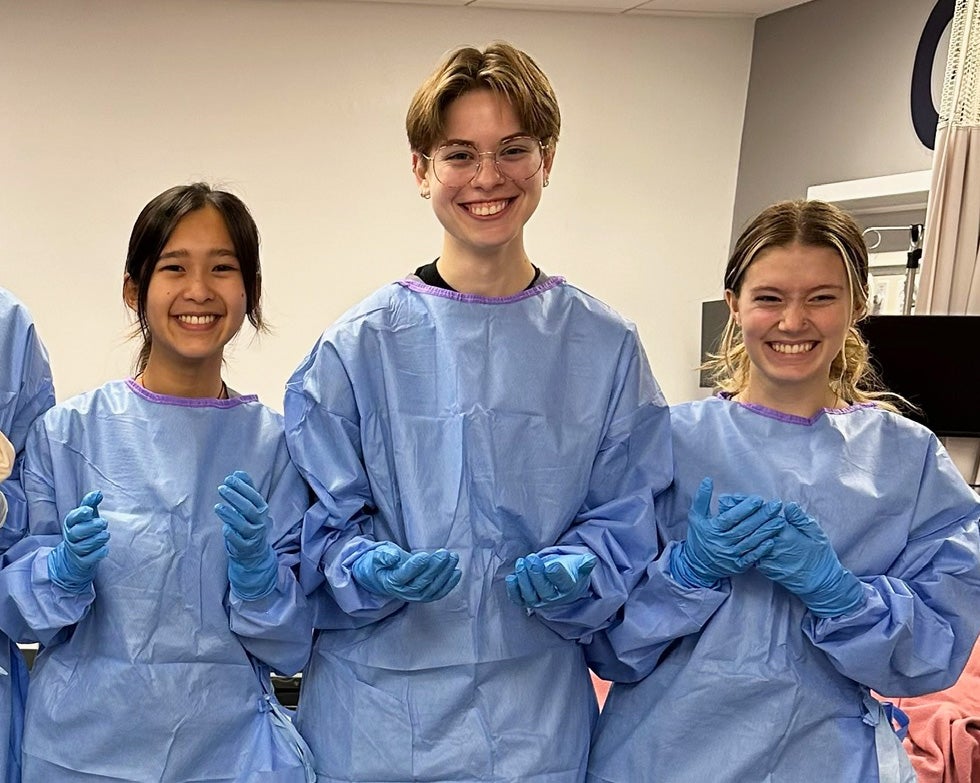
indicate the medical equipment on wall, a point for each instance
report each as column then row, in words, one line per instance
column 913, row 257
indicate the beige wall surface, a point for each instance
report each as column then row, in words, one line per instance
column 298, row 107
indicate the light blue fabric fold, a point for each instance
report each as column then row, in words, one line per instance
column 894, row 764
column 493, row 428
column 26, row 392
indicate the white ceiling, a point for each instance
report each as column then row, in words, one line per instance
column 752, row 8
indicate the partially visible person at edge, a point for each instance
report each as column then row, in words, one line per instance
column 26, row 391
column 750, row 649
column 157, row 647
column 485, row 442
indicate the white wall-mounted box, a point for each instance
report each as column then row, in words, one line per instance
column 876, row 195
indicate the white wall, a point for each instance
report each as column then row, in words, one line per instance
column 298, row 107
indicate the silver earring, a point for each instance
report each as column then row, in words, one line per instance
column 425, row 194
column 546, row 181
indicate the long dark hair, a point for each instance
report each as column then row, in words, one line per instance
column 152, row 231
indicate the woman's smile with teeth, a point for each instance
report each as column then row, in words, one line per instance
column 792, row 347
column 486, row 208
column 197, row 320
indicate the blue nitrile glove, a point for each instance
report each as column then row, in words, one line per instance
column 729, row 543
column 72, row 564
column 389, row 570
column 253, row 568
column 729, row 500
column 553, row 580
column 804, row 562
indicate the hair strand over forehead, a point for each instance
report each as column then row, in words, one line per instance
column 500, row 68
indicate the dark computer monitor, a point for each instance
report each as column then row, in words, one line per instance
column 931, row 360
column 714, row 316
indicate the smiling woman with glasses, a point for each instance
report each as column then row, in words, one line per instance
column 485, row 442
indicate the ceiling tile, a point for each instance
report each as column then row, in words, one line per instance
column 639, row 7
column 593, row 6
column 723, row 7
column 415, row 2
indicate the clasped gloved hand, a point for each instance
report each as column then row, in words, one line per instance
column 729, row 543
column 553, row 580
column 804, row 562
column 421, row 577
column 253, row 568
column 72, row 564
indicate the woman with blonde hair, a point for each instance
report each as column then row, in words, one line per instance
column 750, row 653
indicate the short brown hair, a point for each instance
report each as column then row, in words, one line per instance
column 501, row 68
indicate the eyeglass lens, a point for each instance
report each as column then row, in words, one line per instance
column 456, row 164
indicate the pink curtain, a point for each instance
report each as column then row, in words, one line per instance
column 944, row 729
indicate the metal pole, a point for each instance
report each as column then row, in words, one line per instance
column 912, row 266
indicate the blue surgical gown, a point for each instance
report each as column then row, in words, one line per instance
column 746, row 684
column 156, row 672
column 494, row 428
column 26, row 391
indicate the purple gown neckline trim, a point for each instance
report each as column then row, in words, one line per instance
column 790, row 418
column 414, row 284
column 188, row 402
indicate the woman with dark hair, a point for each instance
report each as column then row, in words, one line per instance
column 748, row 653
column 157, row 648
